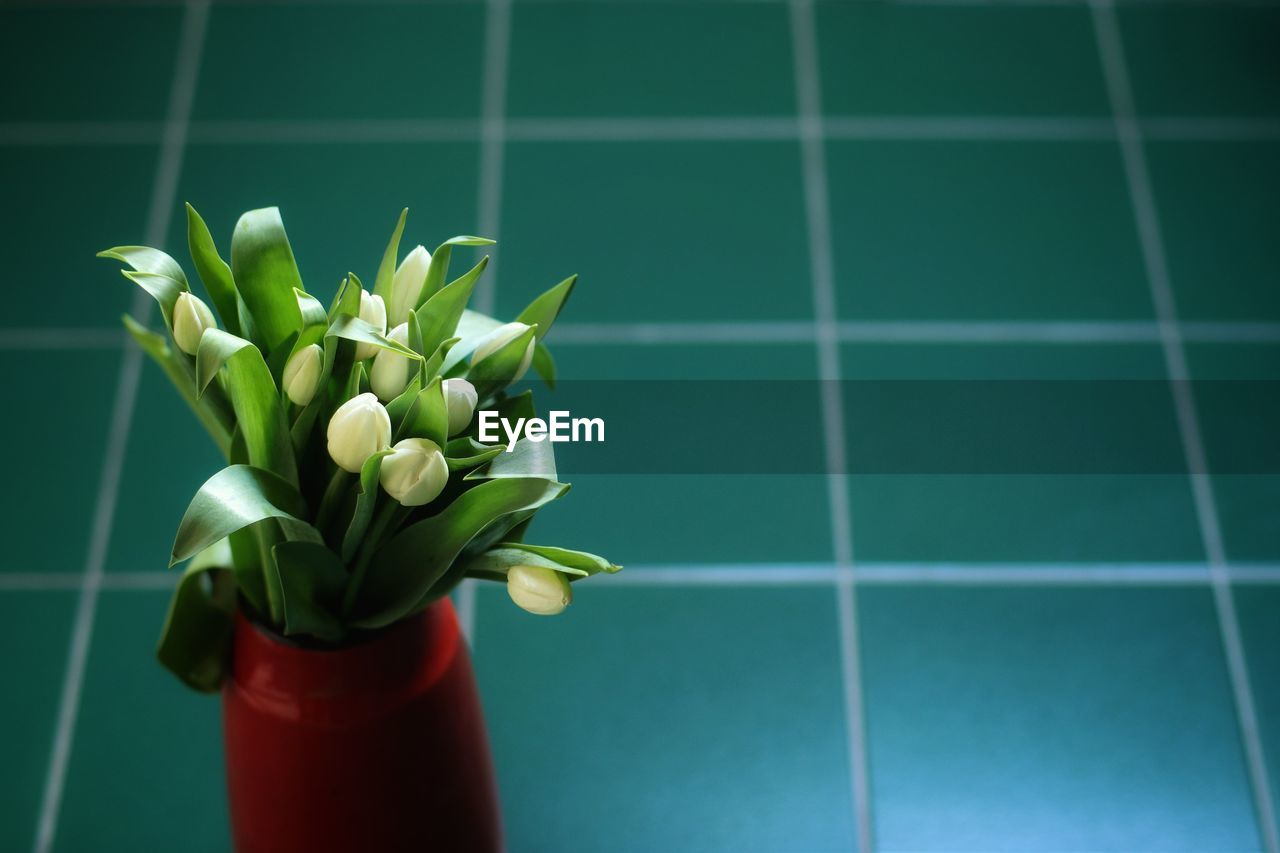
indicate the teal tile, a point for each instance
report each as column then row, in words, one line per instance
column 63, row 63
column 146, row 764
column 1051, row 719
column 339, row 202
column 924, row 516
column 934, row 59
column 56, row 455
column 1202, row 59
column 676, row 519
column 62, row 206
column 167, row 458
column 1257, row 606
column 1217, row 202
column 342, row 61
column 39, row 624
column 658, row 232
column 992, row 230
column 639, row 59
column 723, row 728
column 1238, row 422
column 714, row 361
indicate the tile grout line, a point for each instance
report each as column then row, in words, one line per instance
column 622, row 129
column 813, row 162
column 789, row 574
column 497, row 55
column 786, row 332
column 1119, row 90
column 164, row 189
column 493, row 137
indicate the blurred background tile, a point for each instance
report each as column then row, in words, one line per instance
column 1051, row 719
column 110, row 63
column 650, row 59
column 341, row 61
column 983, row 230
column 975, row 60
column 674, row 718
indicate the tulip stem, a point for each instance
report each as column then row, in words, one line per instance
column 389, row 518
column 332, row 497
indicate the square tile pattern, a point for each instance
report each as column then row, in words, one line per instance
column 669, row 715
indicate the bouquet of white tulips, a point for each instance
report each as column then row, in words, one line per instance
column 356, row 492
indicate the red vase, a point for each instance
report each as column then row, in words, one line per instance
column 379, row 745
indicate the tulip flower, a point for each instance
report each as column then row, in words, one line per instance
column 190, row 318
column 406, row 285
column 374, row 312
column 391, row 371
column 415, row 472
column 359, row 429
column 460, row 398
column 500, row 337
column 302, row 374
column 539, row 590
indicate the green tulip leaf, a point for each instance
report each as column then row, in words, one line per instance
column 266, row 274
column 312, row 583
column 213, row 410
column 195, row 642
column 439, row 266
column 439, row 315
column 544, row 365
column 464, row 453
column 542, row 311
column 428, row 417
column 231, row 500
column 346, row 302
column 406, row 568
column 259, row 412
column 366, row 498
column 526, row 459
column 495, row 563
column 164, row 289
column 401, row 405
column 574, row 562
column 498, row 369
column 148, row 260
column 471, row 330
column 354, row 329
column 387, row 269
column 214, row 272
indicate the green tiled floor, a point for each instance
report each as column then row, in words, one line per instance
column 1051, row 719
column 629, row 729
column 1037, row 661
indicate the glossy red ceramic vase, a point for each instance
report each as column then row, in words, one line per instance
column 375, row 746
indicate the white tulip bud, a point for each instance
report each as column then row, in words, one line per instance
column 415, row 473
column 374, row 312
column 190, row 318
column 406, row 286
column 359, row 429
column 391, row 371
column 460, row 398
column 302, row 374
column 545, row 592
column 499, row 338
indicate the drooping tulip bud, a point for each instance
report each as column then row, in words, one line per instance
column 374, row 312
column 539, row 590
column 190, row 318
column 302, row 374
column 499, row 338
column 359, row 429
column 460, row 398
column 406, row 285
column 415, row 473
column 391, row 371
